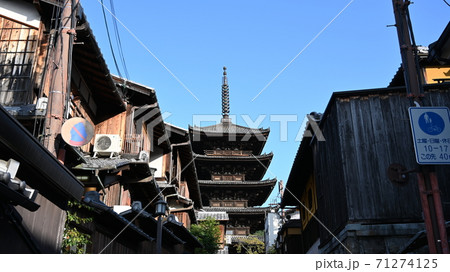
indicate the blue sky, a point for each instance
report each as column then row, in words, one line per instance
column 255, row 40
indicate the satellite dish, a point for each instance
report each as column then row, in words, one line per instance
column 77, row 131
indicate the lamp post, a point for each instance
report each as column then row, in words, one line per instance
column 160, row 210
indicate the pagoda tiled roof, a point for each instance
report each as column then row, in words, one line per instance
column 218, row 215
column 235, row 158
column 231, row 239
column 239, row 210
column 270, row 182
column 229, row 127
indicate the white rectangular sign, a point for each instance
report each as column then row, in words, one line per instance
column 431, row 134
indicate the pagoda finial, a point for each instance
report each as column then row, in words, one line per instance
column 225, row 95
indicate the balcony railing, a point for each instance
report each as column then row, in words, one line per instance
column 133, row 144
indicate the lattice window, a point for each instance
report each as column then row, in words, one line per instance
column 18, row 44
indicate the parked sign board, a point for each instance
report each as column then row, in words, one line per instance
column 431, row 134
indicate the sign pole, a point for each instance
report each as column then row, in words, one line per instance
column 426, row 213
column 427, row 180
column 439, row 212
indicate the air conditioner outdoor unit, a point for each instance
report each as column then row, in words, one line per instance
column 107, row 144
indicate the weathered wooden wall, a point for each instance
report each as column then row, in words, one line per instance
column 43, row 229
column 365, row 132
column 330, row 182
column 102, row 243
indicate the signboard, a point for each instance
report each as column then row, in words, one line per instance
column 77, row 131
column 431, row 134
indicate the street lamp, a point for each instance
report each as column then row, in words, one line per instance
column 160, row 211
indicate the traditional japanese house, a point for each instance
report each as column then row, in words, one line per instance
column 182, row 191
column 230, row 169
column 150, row 167
column 360, row 209
column 353, row 201
column 52, row 71
column 299, row 235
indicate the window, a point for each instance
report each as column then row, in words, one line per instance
column 18, row 44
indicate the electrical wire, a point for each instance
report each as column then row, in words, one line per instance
column 445, row 1
column 151, row 53
column 308, row 210
column 109, row 40
column 118, row 41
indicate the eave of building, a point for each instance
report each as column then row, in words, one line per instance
column 114, row 222
column 217, row 215
column 38, row 167
column 177, row 134
column 87, row 57
column 293, row 223
column 263, row 157
column 236, row 211
column 302, row 168
column 240, row 184
column 440, row 50
column 189, row 171
column 181, row 232
column 243, row 238
column 228, row 128
column 149, row 225
column 150, row 116
column 135, row 93
column 180, row 142
column 377, row 92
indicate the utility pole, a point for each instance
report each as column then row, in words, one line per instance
column 57, row 87
column 426, row 176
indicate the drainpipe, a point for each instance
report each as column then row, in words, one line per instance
column 101, row 184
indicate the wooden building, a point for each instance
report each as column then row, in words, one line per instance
column 154, row 163
column 230, row 169
column 340, row 180
column 349, row 191
column 52, row 71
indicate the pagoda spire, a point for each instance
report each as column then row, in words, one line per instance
column 225, row 95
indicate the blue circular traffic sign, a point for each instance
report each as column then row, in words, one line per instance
column 431, row 123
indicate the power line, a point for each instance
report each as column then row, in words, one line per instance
column 445, row 1
column 151, row 53
column 118, row 41
column 304, row 48
column 308, row 210
column 109, row 40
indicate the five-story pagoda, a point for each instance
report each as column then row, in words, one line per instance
column 230, row 169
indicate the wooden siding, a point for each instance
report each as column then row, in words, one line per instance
column 328, row 164
column 114, row 125
column 183, row 217
column 365, row 133
column 100, row 243
column 113, row 194
column 45, row 226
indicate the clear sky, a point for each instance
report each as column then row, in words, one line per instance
column 256, row 40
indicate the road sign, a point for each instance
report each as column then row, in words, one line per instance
column 77, row 131
column 431, row 134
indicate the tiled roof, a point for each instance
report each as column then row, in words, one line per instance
column 241, row 238
column 226, row 182
column 220, row 216
column 228, row 127
column 236, row 158
column 102, row 163
column 238, row 210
